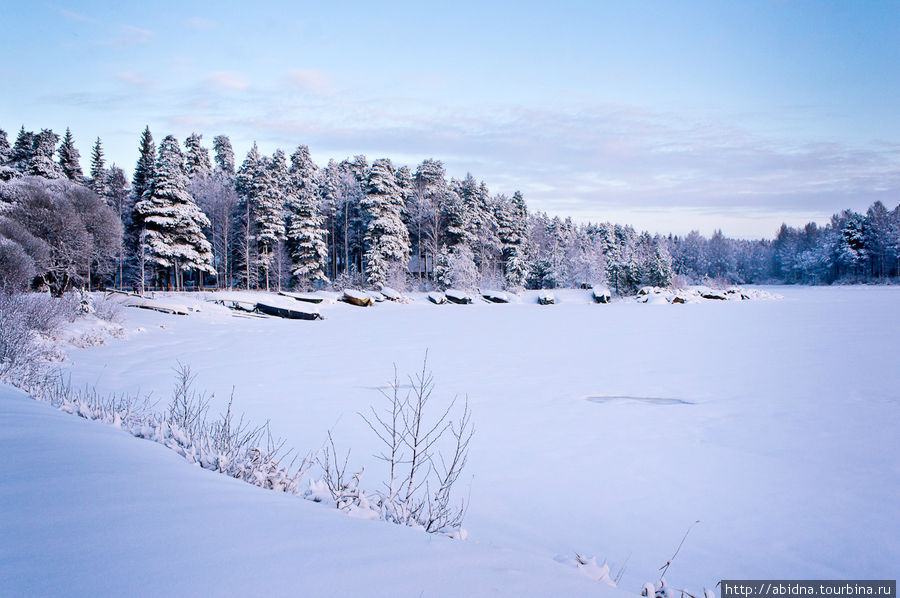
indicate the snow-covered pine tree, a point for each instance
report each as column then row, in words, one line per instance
column 69, row 158
column 658, row 267
column 22, row 151
column 141, row 181
column 261, row 183
column 4, row 147
column 268, row 212
column 386, row 237
column 144, row 169
column 455, row 215
column 196, row 159
column 249, row 182
column 120, row 201
column 482, row 226
column 98, row 170
column 512, row 230
column 305, row 236
column 406, row 187
column 850, row 249
column 173, row 225
column 224, row 154
column 6, row 171
column 42, row 163
column 431, row 188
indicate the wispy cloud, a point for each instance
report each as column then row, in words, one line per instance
column 232, row 80
column 199, row 23
column 74, row 16
column 132, row 79
column 127, row 35
column 312, row 81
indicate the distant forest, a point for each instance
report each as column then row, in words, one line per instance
column 185, row 221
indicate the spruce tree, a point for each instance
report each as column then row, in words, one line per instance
column 119, row 200
column 6, row 171
column 512, row 219
column 23, row 151
column 224, row 155
column 144, row 169
column 304, row 233
column 69, row 158
column 249, row 182
column 268, row 212
column 386, row 238
column 41, row 162
column 141, row 181
column 196, row 157
column 98, row 170
column 4, row 148
column 172, row 235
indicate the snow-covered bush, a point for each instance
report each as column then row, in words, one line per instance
column 426, row 452
column 227, row 445
column 108, row 310
column 25, row 318
column 85, row 303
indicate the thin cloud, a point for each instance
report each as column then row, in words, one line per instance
column 127, row 35
column 74, row 16
column 132, row 79
column 200, row 24
column 312, row 81
column 231, row 80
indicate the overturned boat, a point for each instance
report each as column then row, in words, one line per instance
column 302, row 297
column 601, row 293
column 355, row 297
column 495, row 296
column 290, row 314
column 457, row 296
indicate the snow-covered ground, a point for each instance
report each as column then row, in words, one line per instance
column 600, row 429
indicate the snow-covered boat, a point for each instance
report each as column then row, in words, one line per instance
column 437, row 298
column 290, row 314
column 391, row 294
column 167, row 308
column 355, row 297
column 708, row 293
column 546, row 298
column 601, row 293
column 495, row 296
column 457, row 296
column 302, row 297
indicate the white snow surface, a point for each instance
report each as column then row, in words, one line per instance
column 604, row 430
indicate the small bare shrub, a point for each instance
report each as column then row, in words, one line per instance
column 426, row 453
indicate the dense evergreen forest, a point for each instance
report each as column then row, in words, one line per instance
column 185, row 220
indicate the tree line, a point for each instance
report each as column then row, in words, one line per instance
column 190, row 217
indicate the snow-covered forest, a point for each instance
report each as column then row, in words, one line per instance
column 190, row 216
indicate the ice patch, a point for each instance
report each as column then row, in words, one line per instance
column 627, row 398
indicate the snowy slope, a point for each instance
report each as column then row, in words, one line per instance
column 600, row 429
column 91, row 511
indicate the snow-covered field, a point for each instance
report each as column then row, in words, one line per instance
column 604, row 430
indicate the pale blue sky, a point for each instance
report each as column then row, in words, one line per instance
column 666, row 115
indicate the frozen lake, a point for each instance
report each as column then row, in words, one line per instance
column 600, row 429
